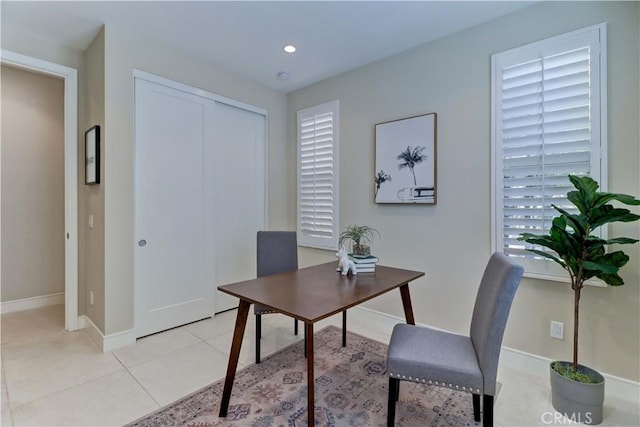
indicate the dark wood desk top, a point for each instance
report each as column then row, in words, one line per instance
column 314, row 293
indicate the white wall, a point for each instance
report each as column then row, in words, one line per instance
column 451, row 241
column 91, row 241
column 20, row 40
column 32, row 184
column 123, row 53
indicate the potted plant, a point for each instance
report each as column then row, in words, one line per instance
column 578, row 391
column 360, row 238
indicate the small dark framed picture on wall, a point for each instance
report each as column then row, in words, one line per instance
column 92, row 156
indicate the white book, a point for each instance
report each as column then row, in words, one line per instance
column 371, row 260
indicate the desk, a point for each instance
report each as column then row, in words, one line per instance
column 310, row 295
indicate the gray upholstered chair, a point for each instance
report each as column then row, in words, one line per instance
column 467, row 363
column 277, row 253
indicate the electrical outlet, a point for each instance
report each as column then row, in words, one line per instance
column 90, row 221
column 557, row 330
column 90, row 297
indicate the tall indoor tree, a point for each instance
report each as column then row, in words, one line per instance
column 577, row 249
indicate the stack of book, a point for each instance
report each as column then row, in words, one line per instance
column 364, row 263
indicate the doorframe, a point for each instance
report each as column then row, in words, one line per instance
column 70, row 77
column 174, row 84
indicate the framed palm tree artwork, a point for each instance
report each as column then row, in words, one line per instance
column 406, row 160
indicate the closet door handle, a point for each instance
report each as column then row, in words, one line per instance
column 142, row 243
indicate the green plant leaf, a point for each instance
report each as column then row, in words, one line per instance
column 617, row 258
column 546, row 241
column 584, row 183
column 568, row 372
column 549, row 256
column 606, row 267
column 595, row 248
column 587, row 188
column 598, row 266
column 595, row 241
column 358, row 234
column 607, row 214
column 610, row 279
column 576, row 198
column 603, row 198
column 627, row 199
column 621, row 241
column 577, row 222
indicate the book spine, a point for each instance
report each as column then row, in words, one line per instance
column 364, row 261
column 367, row 258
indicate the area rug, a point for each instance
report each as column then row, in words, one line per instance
column 350, row 390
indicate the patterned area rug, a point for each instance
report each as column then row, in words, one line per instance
column 351, row 390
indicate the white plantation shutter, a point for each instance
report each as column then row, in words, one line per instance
column 318, row 176
column 548, row 122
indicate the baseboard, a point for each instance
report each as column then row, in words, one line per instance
column 106, row 342
column 31, row 303
column 382, row 321
column 616, row 387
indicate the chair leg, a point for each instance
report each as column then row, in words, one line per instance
column 487, row 411
column 398, row 391
column 344, row 328
column 258, row 336
column 476, row 407
column 394, row 384
column 295, row 326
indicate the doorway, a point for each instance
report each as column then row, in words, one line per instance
column 70, row 232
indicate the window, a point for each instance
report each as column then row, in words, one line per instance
column 318, row 176
column 548, row 121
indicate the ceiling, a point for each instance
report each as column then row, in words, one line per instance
column 246, row 38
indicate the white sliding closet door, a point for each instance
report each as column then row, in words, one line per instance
column 170, row 190
column 199, row 201
column 240, row 190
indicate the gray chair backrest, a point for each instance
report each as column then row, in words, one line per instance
column 277, row 252
column 493, row 302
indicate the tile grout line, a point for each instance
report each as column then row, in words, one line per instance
column 13, row 406
column 9, row 408
column 143, row 388
column 66, row 388
column 199, row 340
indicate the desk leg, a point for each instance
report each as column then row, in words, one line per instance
column 238, row 333
column 406, row 303
column 311, row 417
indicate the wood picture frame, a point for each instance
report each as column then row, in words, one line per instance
column 92, row 156
column 406, row 159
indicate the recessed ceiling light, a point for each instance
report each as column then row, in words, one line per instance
column 283, row 75
column 289, row 48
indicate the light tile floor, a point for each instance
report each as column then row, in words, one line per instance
column 53, row 377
